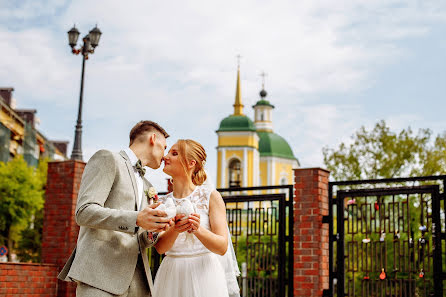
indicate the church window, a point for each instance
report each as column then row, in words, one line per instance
column 234, row 173
column 283, row 182
column 262, row 117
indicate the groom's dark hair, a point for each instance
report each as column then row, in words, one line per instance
column 143, row 127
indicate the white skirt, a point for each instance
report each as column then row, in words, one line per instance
column 190, row 276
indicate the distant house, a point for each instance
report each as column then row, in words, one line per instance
column 19, row 134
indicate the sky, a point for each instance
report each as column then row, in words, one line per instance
column 332, row 67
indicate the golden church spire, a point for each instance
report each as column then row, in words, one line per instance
column 238, row 106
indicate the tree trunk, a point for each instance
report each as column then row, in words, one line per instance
column 10, row 245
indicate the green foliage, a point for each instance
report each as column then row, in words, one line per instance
column 393, row 253
column 21, row 197
column 30, row 243
column 29, row 247
column 42, row 171
column 263, row 260
column 381, row 153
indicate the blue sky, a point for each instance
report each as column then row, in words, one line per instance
column 331, row 68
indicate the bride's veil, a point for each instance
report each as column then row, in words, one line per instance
column 228, row 260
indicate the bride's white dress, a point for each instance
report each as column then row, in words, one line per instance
column 189, row 268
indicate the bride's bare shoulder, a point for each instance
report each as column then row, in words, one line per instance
column 216, row 199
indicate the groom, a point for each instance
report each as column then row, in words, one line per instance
column 116, row 222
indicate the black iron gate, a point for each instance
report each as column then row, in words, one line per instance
column 261, row 227
column 386, row 237
column 260, row 220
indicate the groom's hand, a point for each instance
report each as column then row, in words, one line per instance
column 152, row 219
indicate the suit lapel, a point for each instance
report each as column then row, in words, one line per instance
column 145, row 187
column 132, row 176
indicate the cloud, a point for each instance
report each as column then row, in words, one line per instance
column 29, row 10
column 318, row 125
column 174, row 62
column 34, row 66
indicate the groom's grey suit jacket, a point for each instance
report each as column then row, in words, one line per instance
column 108, row 243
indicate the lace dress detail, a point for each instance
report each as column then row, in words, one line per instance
column 186, row 243
column 189, row 268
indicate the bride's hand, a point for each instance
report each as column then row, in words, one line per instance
column 194, row 219
column 170, row 224
column 181, row 225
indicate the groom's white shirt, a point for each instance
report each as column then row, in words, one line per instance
column 139, row 182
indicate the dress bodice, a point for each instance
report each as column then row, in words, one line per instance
column 186, row 243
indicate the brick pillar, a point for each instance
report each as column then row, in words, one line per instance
column 310, row 235
column 59, row 226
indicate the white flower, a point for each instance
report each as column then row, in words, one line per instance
column 152, row 192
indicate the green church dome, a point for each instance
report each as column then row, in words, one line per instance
column 263, row 102
column 236, row 123
column 271, row 144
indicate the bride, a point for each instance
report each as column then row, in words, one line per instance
column 197, row 263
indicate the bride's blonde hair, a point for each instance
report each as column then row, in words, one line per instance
column 189, row 150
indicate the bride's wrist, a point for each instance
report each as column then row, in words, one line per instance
column 197, row 232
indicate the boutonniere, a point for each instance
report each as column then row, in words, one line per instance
column 152, row 195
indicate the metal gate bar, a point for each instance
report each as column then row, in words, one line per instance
column 401, row 287
column 381, row 287
column 284, row 285
column 284, row 282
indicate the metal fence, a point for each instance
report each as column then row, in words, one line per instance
column 386, row 237
column 260, row 221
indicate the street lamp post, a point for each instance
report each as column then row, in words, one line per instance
column 90, row 42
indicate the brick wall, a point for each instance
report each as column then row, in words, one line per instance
column 60, row 235
column 311, row 271
column 59, row 227
column 28, row 280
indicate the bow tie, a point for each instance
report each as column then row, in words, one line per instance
column 141, row 170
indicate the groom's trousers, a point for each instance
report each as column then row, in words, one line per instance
column 138, row 286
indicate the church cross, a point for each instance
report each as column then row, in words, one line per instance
column 238, row 60
column 263, row 75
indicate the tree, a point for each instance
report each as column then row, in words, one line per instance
column 21, row 196
column 381, row 153
column 29, row 248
